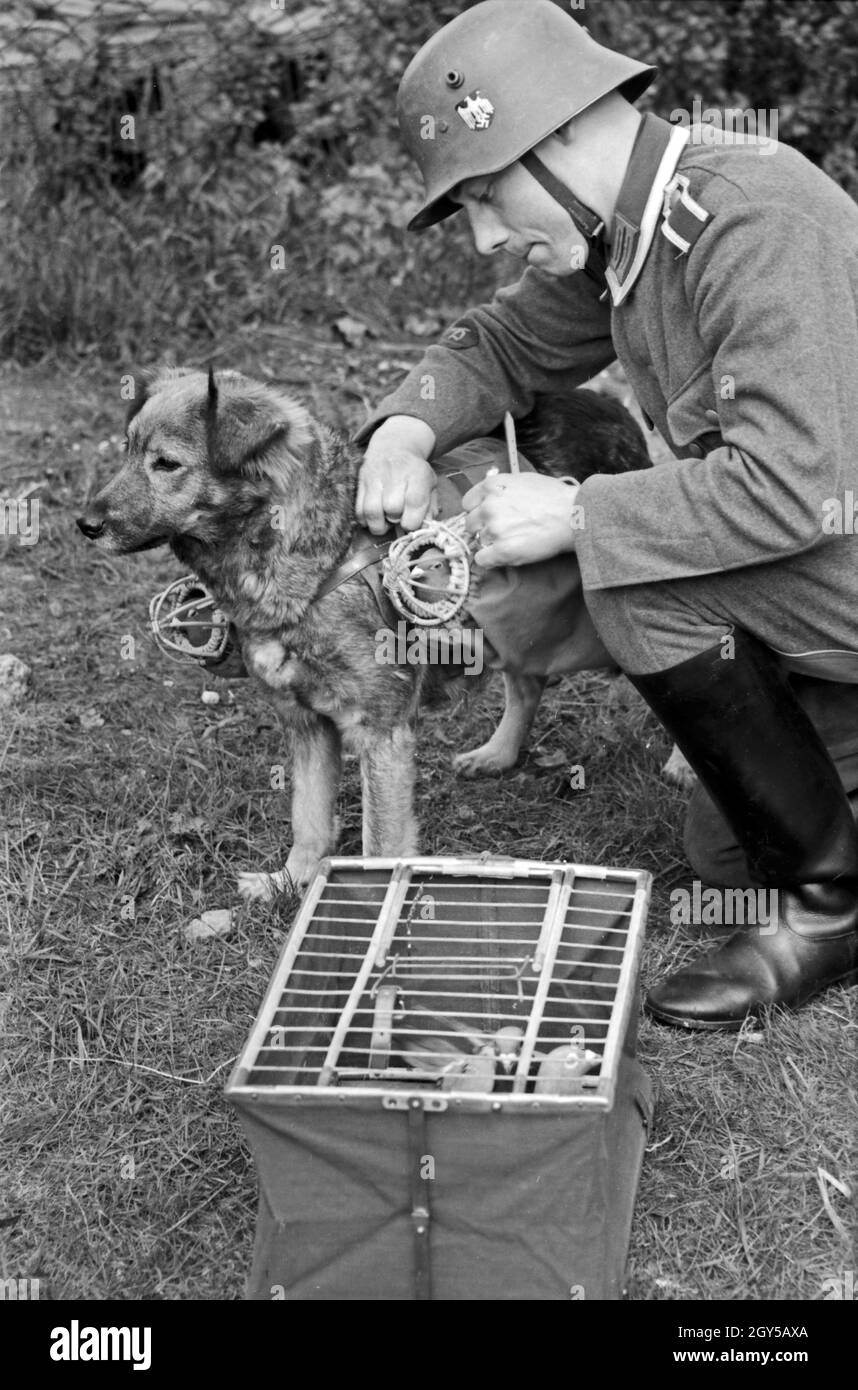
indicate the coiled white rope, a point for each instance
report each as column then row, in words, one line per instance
column 432, row 561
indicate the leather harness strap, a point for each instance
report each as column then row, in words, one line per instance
column 364, row 562
column 358, row 561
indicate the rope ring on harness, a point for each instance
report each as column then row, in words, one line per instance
column 184, row 610
column 404, row 586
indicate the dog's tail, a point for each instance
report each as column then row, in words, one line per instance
column 581, row 433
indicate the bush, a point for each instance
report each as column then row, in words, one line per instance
column 121, row 247
column 799, row 60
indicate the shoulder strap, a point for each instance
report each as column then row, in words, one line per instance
column 683, row 218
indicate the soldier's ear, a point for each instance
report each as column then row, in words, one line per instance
column 566, row 133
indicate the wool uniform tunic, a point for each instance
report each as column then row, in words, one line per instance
column 733, row 310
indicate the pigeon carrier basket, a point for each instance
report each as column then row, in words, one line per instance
column 440, row 1089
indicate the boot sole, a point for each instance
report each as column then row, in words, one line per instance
column 734, row 1024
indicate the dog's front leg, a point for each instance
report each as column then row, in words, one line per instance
column 387, row 765
column 523, row 694
column 315, row 783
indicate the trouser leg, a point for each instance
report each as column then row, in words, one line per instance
column 731, row 709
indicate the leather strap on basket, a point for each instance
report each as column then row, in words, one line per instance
column 420, row 1209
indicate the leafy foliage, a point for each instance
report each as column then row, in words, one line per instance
column 798, row 60
column 255, row 128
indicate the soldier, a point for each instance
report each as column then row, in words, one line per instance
column 723, row 275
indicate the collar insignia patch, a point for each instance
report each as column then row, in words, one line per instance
column 625, row 245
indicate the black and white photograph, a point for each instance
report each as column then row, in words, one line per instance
column 429, row 666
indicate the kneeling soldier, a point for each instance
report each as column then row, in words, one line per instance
column 722, row 275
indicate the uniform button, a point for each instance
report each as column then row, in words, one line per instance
column 696, row 451
column 712, row 416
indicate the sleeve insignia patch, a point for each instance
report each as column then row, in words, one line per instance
column 460, row 335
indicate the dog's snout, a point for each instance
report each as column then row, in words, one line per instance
column 91, row 529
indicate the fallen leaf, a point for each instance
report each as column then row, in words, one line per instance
column 217, row 922
column 548, row 759
column 423, row 325
column 182, row 824
column 351, row 329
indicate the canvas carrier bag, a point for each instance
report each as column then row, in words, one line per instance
column 534, row 616
column 388, row 1172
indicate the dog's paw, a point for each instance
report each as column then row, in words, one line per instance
column 300, row 869
column 301, row 866
column 260, row 888
column 486, row 761
column 678, row 770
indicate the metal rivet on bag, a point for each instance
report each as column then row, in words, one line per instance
column 454, row 78
column 443, row 126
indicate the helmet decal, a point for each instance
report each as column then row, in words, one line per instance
column 476, row 111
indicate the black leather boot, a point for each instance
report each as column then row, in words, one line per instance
column 760, row 758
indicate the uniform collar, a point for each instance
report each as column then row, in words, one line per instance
column 655, row 155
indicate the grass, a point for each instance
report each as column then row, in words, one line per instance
column 128, row 1176
column 120, row 270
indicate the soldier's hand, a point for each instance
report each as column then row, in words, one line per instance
column 521, row 518
column 396, row 482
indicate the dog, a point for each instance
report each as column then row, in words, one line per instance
column 578, row 434
column 257, row 498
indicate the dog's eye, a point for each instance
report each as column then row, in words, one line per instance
column 165, row 466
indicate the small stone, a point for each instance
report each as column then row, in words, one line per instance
column 15, row 677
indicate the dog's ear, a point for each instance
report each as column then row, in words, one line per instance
column 141, row 396
column 211, row 418
column 250, row 430
column 153, row 382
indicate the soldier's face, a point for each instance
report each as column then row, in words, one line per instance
column 511, row 212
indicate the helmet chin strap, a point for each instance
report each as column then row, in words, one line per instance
column 589, row 223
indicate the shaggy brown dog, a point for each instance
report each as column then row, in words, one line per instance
column 258, row 499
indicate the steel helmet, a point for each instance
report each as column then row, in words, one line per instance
column 493, row 83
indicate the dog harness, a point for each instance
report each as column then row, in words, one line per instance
column 534, row 612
